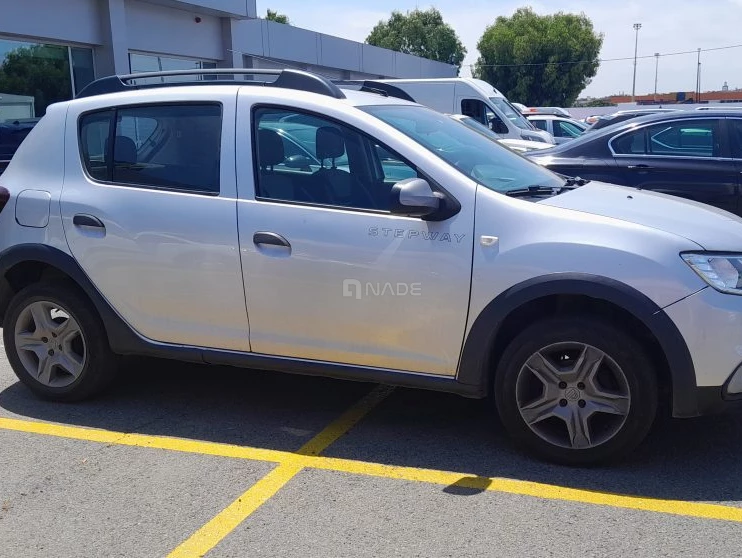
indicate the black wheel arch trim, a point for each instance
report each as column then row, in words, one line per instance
column 476, row 364
column 121, row 337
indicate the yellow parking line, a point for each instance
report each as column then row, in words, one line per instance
column 528, row 488
column 145, row 440
column 208, row 536
column 307, row 457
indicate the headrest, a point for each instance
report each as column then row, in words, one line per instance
column 330, row 143
column 124, row 150
column 270, row 148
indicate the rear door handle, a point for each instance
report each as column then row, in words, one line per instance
column 271, row 238
column 83, row 220
column 640, row 167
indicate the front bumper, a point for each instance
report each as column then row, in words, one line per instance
column 712, row 400
column 710, row 323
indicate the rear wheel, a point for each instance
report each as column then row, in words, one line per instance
column 56, row 343
column 576, row 390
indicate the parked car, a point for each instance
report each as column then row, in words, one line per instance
column 475, row 98
column 623, row 115
column 554, row 111
column 12, row 133
column 155, row 219
column 563, row 129
column 692, row 154
column 521, row 146
column 724, row 106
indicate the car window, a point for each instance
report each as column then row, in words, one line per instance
column 474, row 108
column 173, row 147
column 632, row 143
column 540, row 124
column 566, row 129
column 511, row 113
column 94, row 132
column 335, row 165
column 735, row 130
column 688, row 138
column 693, row 138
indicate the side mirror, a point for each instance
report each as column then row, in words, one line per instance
column 301, row 162
column 414, row 197
column 498, row 126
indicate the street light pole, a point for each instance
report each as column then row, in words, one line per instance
column 656, row 70
column 698, row 78
column 637, row 26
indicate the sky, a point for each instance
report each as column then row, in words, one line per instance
column 668, row 26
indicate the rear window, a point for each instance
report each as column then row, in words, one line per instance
column 172, row 147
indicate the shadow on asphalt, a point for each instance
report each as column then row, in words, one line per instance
column 692, row 459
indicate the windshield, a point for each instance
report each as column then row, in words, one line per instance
column 511, row 113
column 476, row 156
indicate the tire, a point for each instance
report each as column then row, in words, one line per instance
column 576, row 390
column 57, row 321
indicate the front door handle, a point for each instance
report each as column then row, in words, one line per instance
column 271, row 238
column 640, row 167
column 83, row 220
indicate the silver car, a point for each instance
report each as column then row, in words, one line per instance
column 176, row 220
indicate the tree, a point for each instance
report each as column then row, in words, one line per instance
column 278, row 18
column 39, row 71
column 421, row 33
column 540, row 60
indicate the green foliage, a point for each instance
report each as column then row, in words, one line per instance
column 39, row 71
column 278, row 18
column 421, row 33
column 603, row 102
column 518, row 56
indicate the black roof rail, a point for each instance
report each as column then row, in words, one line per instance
column 372, row 86
column 287, row 79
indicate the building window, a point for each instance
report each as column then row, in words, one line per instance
column 35, row 75
column 139, row 63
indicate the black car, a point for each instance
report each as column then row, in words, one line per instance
column 693, row 154
column 12, row 133
column 606, row 120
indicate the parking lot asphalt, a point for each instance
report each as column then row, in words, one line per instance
column 186, row 460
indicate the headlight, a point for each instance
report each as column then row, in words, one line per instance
column 722, row 271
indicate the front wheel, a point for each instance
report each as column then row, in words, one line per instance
column 576, row 390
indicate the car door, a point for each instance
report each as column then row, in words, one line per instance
column 149, row 213
column 682, row 157
column 330, row 274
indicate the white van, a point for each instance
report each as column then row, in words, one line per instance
column 475, row 98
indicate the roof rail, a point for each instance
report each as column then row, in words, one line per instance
column 287, row 79
column 378, row 87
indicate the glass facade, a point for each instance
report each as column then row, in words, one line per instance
column 35, row 75
column 153, row 63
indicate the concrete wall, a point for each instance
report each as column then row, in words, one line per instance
column 262, row 38
column 229, row 8
column 161, row 30
column 78, row 22
column 113, row 28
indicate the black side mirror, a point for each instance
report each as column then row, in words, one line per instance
column 414, row 197
column 498, row 126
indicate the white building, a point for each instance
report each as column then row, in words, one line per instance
column 85, row 39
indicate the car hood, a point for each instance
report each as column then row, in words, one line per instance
column 707, row 226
